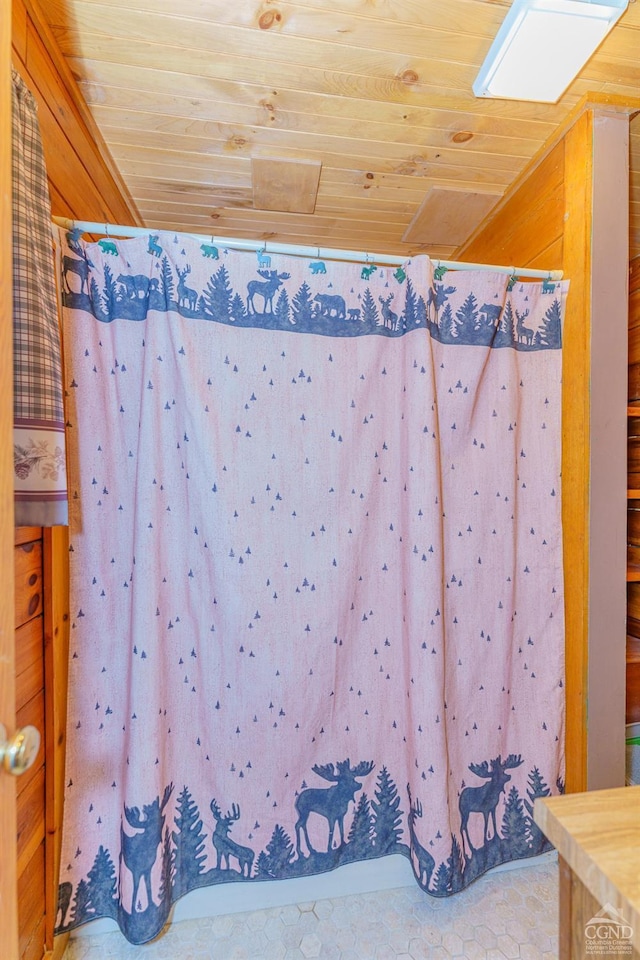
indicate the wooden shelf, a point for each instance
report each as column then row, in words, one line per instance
column 633, row 573
column 633, row 494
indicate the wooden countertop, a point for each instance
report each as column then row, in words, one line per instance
column 598, row 835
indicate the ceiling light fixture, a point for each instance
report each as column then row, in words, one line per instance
column 542, row 45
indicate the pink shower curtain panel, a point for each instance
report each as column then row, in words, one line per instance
column 317, row 598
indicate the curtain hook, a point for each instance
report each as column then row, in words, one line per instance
column 106, row 229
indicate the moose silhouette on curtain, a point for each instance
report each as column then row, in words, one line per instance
column 331, row 803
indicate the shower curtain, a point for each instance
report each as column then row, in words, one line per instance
column 40, row 478
column 317, row 598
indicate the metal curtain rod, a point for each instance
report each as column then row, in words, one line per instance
column 112, row 230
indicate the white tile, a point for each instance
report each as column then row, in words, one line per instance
column 452, row 942
column 257, row 919
column 322, row 908
column 344, row 938
column 529, row 952
column 290, row 915
column 221, row 926
column 419, row 949
column 384, row 951
column 275, row 950
column 511, row 915
column 509, row 947
column 310, row 945
column 517, row 930
column 485, row 937
column 473, row 950
column 273, row 929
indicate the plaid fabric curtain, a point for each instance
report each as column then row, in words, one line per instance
column 39, row 447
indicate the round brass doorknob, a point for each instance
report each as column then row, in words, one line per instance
column 19, row 752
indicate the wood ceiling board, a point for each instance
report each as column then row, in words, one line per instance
column 428, row 82
column 122, row 107
column 184, row 96
column 153, row 131
column 217, row 215
column 360, row 39
column 155, row 92
column 449, row 216
column 410, row 177
column 413, row 177
column 325, row 20
column 381, row 247
column 417, row 109
column 172, row 203
column 102, row 33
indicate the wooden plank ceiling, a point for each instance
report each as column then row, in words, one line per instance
column 187, row 93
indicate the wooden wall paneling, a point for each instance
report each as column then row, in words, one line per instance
column 19, row 29
column 529, row 223
column 29, row 695
column 633, row 606
column 551, row 254
column 31, row 841
column 8, row 822
column 29, row 646
column 31, row 823
column 26, row 535
column 575, row 444
column 29, row 679
column 30, row 896
column 32, row 712
column 633, row 545
column 56, row 639
column 82, row 169
column 30, row 707
column 632, row 713
column 28, row 566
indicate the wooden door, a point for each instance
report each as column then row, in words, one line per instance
column 8, row 824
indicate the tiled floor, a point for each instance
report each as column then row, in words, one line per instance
column 511, row 914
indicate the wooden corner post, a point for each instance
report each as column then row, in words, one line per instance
column 595, row 260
